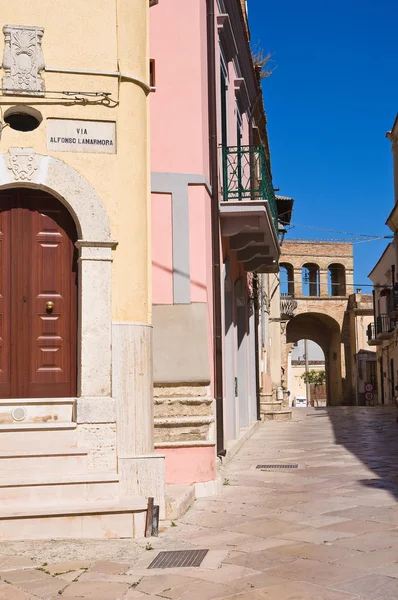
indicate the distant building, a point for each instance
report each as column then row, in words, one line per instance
column 318, row 276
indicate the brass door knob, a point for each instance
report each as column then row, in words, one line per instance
column 49, row 306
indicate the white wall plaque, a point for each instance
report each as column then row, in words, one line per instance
column 65, row 135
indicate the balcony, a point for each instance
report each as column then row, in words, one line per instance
column 371, row 333
column 384, row 327
column 248, row 208
column 288, row 306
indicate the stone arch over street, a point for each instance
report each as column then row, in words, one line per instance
column 324, row 331
column 322, row 274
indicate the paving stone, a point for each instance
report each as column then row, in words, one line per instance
column 305, row 591
column 315, row 572
column 320, row 552
column 260, row 561
column 373, row 587
column 369, row 560
column 35, row 582
column 159, row 583
column 266, row 528
column 200, row 590
column 368, row 542
column 9, row 592
column 357, row 527
column 112, row 568
column 67, row 566
column 92, row 590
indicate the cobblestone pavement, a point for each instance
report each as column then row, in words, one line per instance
column 326, row 530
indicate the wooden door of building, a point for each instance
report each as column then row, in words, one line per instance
column 38, row 296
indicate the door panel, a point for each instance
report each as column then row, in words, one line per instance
column 43, row 270
column 5, row 265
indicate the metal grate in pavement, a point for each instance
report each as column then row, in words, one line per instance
column 277, row 467
column 178, row 558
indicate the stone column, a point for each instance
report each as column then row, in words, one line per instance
column 95, row 408
column 141, row 469
column 349, row 282
column 94, row 358
column 298, row 282
column 323, row 282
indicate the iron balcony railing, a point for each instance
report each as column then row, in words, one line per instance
column 371, row 333
column 288, row 306
column 384, row 324
column 246, row 176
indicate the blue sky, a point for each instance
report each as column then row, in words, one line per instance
column 329, row 102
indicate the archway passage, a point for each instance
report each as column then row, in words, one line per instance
column 38, row 296
column 307, row 374
column 324, row 331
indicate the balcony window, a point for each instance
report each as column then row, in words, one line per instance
column 246, row 177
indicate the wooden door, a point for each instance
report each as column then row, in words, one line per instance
column 38, row 296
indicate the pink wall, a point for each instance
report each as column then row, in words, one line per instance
column 179, row 120
column 198, row 242
column 191, row 464
column 162, row 252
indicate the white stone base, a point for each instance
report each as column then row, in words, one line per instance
column 208, row 488
column 143, row 475
column 118, row 519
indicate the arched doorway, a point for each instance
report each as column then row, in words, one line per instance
column 324, row 331
column 38, row 303
column 306, row 376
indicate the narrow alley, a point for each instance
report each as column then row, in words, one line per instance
column 317, row 521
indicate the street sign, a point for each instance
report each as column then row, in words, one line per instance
column 369, row 396
column 368, row 387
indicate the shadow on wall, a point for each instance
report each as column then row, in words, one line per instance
column 374, row 443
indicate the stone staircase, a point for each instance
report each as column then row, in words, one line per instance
column 273, row 410
column 183, row 418
column 47, row 489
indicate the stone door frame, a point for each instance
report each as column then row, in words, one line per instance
column 22, row 167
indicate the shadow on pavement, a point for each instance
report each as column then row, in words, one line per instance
column 370, row 434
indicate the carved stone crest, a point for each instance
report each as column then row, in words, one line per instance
column 22, row 162
column 23, row 59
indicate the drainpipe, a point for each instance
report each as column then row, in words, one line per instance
column 257, row 306
column 215, row 229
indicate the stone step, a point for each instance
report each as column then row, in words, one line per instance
column 22, row 411
column 178, row 499
column 180, row 429
column 285, row 414
column 41, row 436
column 271, row 405
column 183, row 407
column 111, row 519
column 34, row 462
column 50, row 489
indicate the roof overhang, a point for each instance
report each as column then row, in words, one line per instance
column 392, row 219
column 249, row 225
column 284, row 207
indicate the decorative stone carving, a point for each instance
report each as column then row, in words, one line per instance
column 23, row 59
column 22, row 162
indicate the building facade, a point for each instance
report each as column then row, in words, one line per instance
column 76, row 426
column 214, row 231
column 381, row 331
column 318, row 277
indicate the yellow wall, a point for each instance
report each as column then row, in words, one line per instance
column 109, row 35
